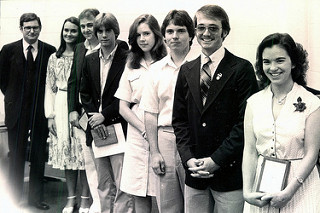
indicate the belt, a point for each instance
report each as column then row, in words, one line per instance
column 65, row 90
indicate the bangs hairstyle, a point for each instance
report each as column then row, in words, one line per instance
column 88, row 13
column 63, row 44
column 107, row 20
column 179, row 18
column 295, row 51
column 26, row 17
column 212, row 12
column 157, row 52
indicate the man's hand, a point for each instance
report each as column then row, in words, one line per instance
column 158, row 164
column 74, row 119
column 204, row 167
column 96, row 119
column 52, row 126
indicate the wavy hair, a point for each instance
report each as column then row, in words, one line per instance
column 295, row 51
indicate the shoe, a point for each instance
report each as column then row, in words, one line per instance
column 40, row 205
column 84, row 210
column 71, row 208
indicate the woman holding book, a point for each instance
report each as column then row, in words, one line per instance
column 281, row 122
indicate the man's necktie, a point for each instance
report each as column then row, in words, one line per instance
column 30, row 58
column 205, row 79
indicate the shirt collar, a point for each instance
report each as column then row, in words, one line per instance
column 26, row 45
column 87, row 45
column 169, row 61
column 108, row 57
column 215, row 57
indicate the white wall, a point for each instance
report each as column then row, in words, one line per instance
column 251, row 21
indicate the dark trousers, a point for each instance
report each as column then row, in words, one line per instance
column 18, row 143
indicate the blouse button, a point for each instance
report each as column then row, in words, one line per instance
column 273, row 155
column 204, row 124
column 272, row 147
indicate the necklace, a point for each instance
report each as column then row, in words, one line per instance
column 281, row 101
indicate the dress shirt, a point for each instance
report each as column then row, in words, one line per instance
column 105, row 64
column 34, row 50
column 89, row 49
column 157, row 96
column 215, row 57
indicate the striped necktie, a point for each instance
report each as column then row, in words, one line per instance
column 205, row 79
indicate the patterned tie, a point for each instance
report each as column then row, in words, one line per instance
column 30, row 58
column 205, row 79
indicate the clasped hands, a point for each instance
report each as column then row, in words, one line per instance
column 276, row 200
column 202, row 167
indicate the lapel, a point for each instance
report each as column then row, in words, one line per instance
column 115, row 68
column 225, row 70
column 193, row 80
column 94, row 62
column 81, row 53
column 18, row 51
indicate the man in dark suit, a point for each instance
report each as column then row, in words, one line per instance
column 209, row 104
column 23, row 66
column 101, row 74
column 83, row 49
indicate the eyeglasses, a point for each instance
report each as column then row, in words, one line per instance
column 212, row 29
column 28, row 28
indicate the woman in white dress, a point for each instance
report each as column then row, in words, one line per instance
column 147, row 47
column 65, row 151
column 282, row 121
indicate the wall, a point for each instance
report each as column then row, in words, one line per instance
column 250, row 21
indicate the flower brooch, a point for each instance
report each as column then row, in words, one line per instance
column 300, row 106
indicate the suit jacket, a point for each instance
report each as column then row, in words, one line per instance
column 12, row 80
column 90, row 88
column 76, row 73
column 216, row 129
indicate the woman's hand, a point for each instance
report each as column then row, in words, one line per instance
column 279, row 199
column 52, row 126
column 255, row 198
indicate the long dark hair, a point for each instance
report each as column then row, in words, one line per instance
column 295, row 51
column 157, row 52
column 80, row 38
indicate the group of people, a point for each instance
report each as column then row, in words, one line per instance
column 196, row 129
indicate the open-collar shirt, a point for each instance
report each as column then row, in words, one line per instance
column 105, row 64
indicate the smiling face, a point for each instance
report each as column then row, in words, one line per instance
column 277, row 65
column 86, row 25
column 212, row 37
column 70, row 32
column 145, row 37
column 177, row 38
column 30, row 31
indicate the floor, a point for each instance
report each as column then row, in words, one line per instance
column 55, row 194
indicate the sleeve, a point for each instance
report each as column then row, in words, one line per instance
column 124, row 91
column 231, row 149
column 51, row 88
column 4, row 69
column 180, row 120
column 149, row 99
column 85, row 90
column 73, row 91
